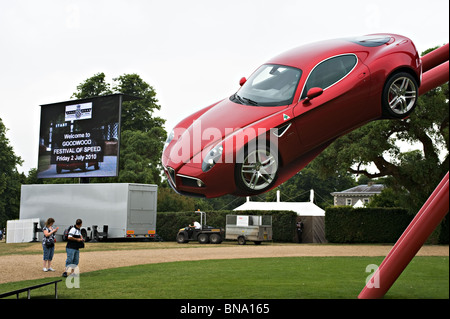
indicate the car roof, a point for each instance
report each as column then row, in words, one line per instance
column 307, row 56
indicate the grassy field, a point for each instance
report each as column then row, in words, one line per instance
column 259, row 278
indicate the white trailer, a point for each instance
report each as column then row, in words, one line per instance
column 245, row 228
column 21, row 231
column 120, row 210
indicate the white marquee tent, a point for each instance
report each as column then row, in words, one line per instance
column 313, row 216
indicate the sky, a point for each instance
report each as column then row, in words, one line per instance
column 192, row 53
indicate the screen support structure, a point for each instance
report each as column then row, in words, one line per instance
column 84, row 180
column 435, row 73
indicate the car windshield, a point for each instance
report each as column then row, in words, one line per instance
column 270, row 85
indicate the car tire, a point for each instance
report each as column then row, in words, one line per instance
column 241, row 240
column 215, row 239
column 257, row 170
column 203, row 239
column 181, row 239
column 400, row 94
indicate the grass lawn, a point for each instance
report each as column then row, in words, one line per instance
column 257, row 278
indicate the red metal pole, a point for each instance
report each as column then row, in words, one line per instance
column 415, row 235
column 435, row 67
column 434, row 58
column 434, row 78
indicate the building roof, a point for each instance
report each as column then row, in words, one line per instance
column 370, row 189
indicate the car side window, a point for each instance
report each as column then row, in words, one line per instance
column 329, row 71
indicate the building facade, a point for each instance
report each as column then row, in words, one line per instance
column 358, row 195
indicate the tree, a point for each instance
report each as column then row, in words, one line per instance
column 137, row 115
column 169, row 201
column 387, row 198
column 10, row 179
column 140, row 156
column 94, row 86
column 142, row 134
column 299, row 186
column 414, row 174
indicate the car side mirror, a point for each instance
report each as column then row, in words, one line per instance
column 242, row 81
column 313, row 93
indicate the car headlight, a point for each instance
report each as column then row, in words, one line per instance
column 169, row 139
column 212, row 158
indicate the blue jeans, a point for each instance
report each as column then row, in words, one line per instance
column 73, row 256
column 48, row 252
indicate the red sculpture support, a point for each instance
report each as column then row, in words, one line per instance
column 436, row 73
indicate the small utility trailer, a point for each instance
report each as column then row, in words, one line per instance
column 245, row 228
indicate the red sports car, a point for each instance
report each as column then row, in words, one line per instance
column 288, row 111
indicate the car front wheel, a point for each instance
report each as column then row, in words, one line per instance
column 400, row 95
column 258, row 170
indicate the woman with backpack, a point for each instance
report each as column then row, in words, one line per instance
column 48, row 244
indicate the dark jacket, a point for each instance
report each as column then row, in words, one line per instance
column 75, row 233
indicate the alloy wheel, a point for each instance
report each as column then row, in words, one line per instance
column 259, row 169
column 402, row 95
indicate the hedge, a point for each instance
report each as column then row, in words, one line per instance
column 444, row 231
column 365, row 225
column 168, row 223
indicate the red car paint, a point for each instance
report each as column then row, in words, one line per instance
column 308, row 97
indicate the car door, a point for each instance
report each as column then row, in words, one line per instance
column 342, row 105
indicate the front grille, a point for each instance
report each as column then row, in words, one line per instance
column 191, row 181
column 171, row 173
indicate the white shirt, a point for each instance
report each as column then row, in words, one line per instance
column 74, row 232
column 197, row 225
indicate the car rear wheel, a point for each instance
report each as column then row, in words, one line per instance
column 400, row 95
column 258, row 170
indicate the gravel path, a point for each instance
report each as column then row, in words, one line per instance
column 25, row 267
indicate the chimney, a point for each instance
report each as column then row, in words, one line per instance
column 278, row 196
column 311, row 196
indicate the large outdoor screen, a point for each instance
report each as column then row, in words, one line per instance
column 80, row 138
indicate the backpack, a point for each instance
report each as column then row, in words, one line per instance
column 49, row 241
column 66, row 233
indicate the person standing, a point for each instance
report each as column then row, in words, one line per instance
column 299, row 231
column 75, row 241
column 48, row 244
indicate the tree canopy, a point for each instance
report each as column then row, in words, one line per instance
column 10, row 179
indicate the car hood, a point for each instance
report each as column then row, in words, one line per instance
column 214, row 125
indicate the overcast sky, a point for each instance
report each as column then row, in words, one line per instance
column 192, row 52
